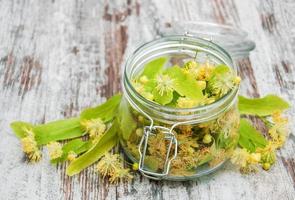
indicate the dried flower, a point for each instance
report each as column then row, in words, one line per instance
column 205, row 72
column 185, row 102
column 95, row 127
column 207, row 139
column 55, row 150
column 164, row 84
column 119, row 175
column 111, row 165
column 268, row 155
column 279, row 130
column 247, row 162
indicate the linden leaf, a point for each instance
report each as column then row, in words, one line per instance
column 19, row 127
column 164, row 99
column 184, row 84
column 58, row 130
column 105, row 111
column 262, row 106
column 250, row 138
column 106, row 143
column 127, row 123
column 154, row 67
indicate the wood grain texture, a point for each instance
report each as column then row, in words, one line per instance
column 58, row 57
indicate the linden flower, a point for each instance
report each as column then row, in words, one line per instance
column 143, row 79
column 191, row 68
column 220, row 85
column 268, row 156
column 204, row 72
column 71, row 156
column 111, row 165
column 185, row 102
column 247, row 162
column 164, row 84
column 35, row 156
column 279, row 131
column 30, row 146
column 108, row 164
column 55, row 150
column 237, row 80
column 95, row 127
column 119, row 175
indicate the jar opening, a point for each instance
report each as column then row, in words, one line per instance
column 177, row 45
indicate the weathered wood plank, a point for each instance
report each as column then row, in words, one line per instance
column 61, row 56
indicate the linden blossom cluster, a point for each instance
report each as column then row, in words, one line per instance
column 193, row 84
column 88, row 138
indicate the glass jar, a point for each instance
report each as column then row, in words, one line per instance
column 177, row 143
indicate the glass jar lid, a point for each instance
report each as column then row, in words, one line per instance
column 232, row 39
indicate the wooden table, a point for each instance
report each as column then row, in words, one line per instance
column 58, row 57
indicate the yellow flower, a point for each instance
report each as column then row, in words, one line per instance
column 71, row 156
column 111, row 165
column 278, row 118
column 268, row 154
column 30, row 146
column 143, row 79
column 207, row 139
column 254, row 158
column 35, row 156
column 237, row 80
column 108, row 164
column 55, row 150
column 185, row 102
column 204, row 72
column 279, row 131
column 240, row 157
column 95, row 127
column 135, row 166
column 119, row 175
column 164, row 84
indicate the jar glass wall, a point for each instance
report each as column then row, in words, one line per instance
column 177, row 143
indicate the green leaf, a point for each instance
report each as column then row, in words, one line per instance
column 262, row 106
column 106, row 143
column 184, row 84
column 18, row 128
column 58, row 130
column 154, row 67
column 250, row 138
column 77, row 145
column 105, row 111
column 163, row 99
column 125, row 118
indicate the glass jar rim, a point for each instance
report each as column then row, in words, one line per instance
column 131, row 91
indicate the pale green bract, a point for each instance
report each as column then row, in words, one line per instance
column 262, row 106
column 58, row 130
column 78, row 146
column 105, row 111
column 127, row 123
column 19, row 128
column 106, row 143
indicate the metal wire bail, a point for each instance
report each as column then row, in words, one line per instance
column 142, row 148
